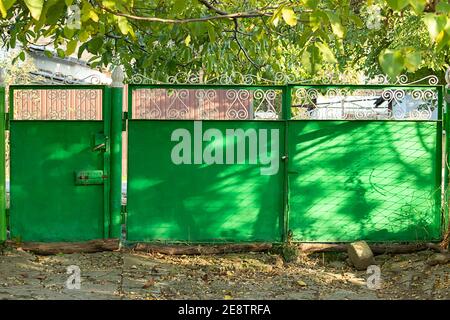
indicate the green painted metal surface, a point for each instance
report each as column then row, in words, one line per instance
column 2, row 167
column 371, row 180
column 46, row 205
column 116, row 161
column 199, row 202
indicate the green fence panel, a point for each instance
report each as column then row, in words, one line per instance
column 46, row 205
column 371, row 180
column 201, row 202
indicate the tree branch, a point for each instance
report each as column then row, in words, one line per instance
column 236, row 29
column 237, row 15
column 211, row 7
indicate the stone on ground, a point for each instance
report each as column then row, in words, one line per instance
column 360, row 255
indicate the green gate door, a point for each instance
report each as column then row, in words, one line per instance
column 59, row 163
column 365, row 163
column 202, row 181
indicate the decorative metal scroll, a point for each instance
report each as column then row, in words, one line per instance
column 278, row 78
column 361, row 104
column 57, row 104
column 203, row 104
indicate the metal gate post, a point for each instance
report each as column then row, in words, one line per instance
column 286, row 114
column 2, row 158
column 446, row 128
column 116, row 152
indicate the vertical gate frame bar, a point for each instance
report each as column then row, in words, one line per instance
column 106, row 115
column 286, row 115
column 116, row 152
column 444, row 100
column 2, row 161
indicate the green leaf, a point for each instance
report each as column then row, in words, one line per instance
column 289, row 16
column 35, row 7
column 212, row 32
column 94, row 45
column 68, row 33
column 187, row 41
column 124, row 26
column 435, row 24
column 179, row 6
column 418, row 5
column 48, row 54
column 311, row 4
column 326, row 52
column 356, row 20
column 83, row 36
column 60, row 53
column 5, row 5
column 276, row 16
column 413, row 59
column 443, row 7
column 88, row 12
column 71, row 46
column 336, row 25
column 391, row 61
column 397, row 4
column 306, row 60
column 316, row 20
column 22, row 56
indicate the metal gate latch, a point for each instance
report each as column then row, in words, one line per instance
column 89, row 177
column 100, row 142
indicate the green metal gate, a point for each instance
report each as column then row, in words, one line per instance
column 362, row 171
column 227, row 199
column 59, row 153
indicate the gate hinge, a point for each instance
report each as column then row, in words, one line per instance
column 124, row 121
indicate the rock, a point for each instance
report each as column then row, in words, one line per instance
column 439, row 258
column 360, row 255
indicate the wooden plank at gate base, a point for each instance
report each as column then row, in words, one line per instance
column 202, row 249
column 43, row 248
column 376, row 248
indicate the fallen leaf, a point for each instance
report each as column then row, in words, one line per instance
column 148, row 284
column 301, row 283
column 228, row 297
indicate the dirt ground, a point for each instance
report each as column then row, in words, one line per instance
column 128, row 275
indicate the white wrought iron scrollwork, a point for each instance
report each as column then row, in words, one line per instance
column 403, row 80
column 279, row 78
column 266, row 104
column 26, row 104
column 237, row 109
column 204, row 104
column 359, row 104
column 208, row 106
column 57, row 104
column 178, row 107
